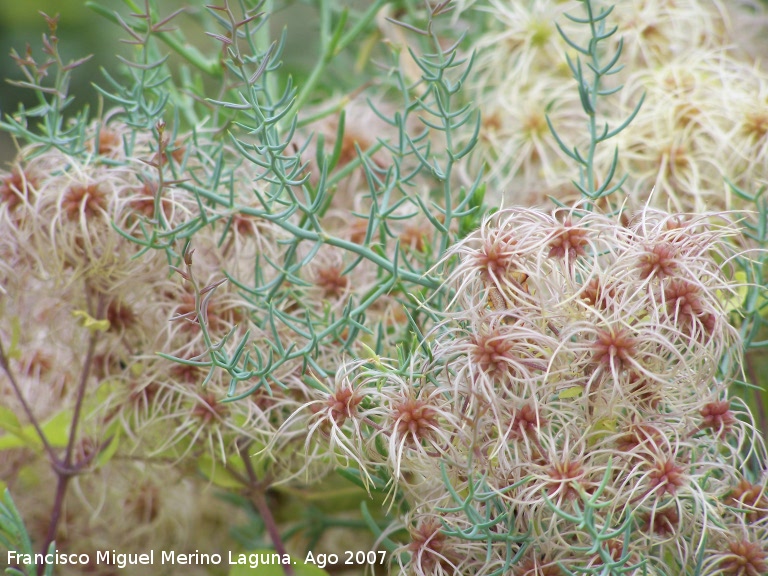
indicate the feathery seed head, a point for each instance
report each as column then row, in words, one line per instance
column 717, row 416
column 744, row 558
column 751, row 498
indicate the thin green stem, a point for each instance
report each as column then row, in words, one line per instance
column 66, row 469
column 5, row 364
column 210, row 66
column 82, row 384
column 330, row 48
column 256, row 491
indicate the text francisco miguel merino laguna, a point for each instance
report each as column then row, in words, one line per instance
column 121, row 560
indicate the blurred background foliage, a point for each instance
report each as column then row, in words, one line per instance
column 82, row 32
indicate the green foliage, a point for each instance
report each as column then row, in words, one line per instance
column 14, row 537
column 591, row 87
column 261, row 125
column 17, row 436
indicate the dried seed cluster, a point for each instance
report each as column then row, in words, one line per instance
column 582, row 365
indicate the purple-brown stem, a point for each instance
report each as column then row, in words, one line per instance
column 65, row 469
column 257, row 489
column 269, row 522
column 82, row 386
column 25, row 406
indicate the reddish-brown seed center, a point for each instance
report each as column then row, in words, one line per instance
column 331, row 280
column 415, row 420
column 658, row 260
column 718, row 416
column 666, row 476
column 569, row 241
column 744, row 558
column 89, row 198
column 564, row 477
column 343, row 404
column 613, row 348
